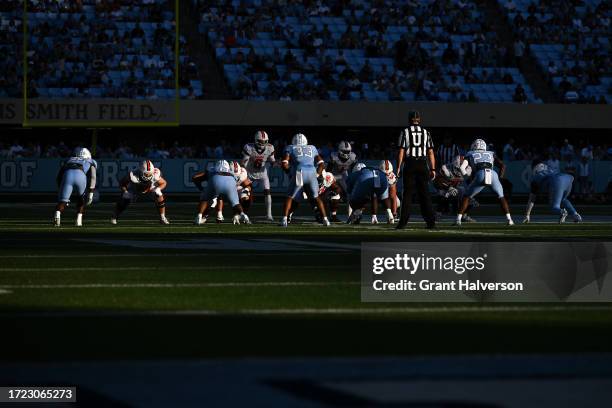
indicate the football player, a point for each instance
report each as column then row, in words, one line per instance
column 304, row 165
column 387, row 167
column 254, row 158
column 222, row 180
column 77, row 174
column 368, row 185
column 450, row 183
column 243, row 188
column 558, row 186
column 340, row 164
column 144, row 181
column 481, row 161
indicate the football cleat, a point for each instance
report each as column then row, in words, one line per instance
column 577, row 218
column 78, row 223
column 527, row 219
column 200, row 220
column 113, row 220
column 283, row 222
column 326, row 222
column 220, row 218
column 563, row 216
column 467, row 218
column 374, row 219
column 509, row 223
column 269, row 218
column 164, row 221
column 457, row 223
column 56, row 222
column 244, row 218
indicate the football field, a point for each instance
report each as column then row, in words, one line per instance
column 104, row 291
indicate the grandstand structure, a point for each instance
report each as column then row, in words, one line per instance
column 339, row 50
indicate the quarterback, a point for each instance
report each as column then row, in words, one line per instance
column 144, row 181
column 77, row 174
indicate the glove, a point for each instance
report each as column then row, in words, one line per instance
column 374, row 219
column 89, row 198
column 452, row 192
column 527, row 219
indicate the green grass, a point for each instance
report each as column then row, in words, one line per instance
column 67, row 292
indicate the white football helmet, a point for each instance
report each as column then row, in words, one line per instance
column 261, row 138
column 478, row 145
column 222, row 166
column 344, row 150
column 540, row 168
column 299, row 140
column 146, row 170
column 358, row 167
column 386, row 166
column 82, row 152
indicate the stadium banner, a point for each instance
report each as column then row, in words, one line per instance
column 39, row 175
column 486, row 272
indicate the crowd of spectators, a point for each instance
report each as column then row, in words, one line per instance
column 340, row 49
column 11, row 57
column 571, row 39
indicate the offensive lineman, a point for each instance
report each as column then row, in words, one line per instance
column 341, row 162
column 254, row 158
column 481, row 161
column 299, row 160
column 147, row 180
column 366, row 184
column 243, row 188
column 558, row 186
column 77, row 173
column 222, row 180
column 387, row 167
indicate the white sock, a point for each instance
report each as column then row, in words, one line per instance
column 508, row 217
column 58, row 214
column 325, row 219
column 459, row 217
column 350, row 210
column 284, row 219
column 268, row 200
column 389, row 214
column 79, row 218
column 199, row 217
column 333, row 212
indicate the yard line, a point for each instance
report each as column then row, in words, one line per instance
column 173, row 285
column 310, row 311
column 159, row 268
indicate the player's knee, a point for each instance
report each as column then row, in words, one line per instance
column 161, row 203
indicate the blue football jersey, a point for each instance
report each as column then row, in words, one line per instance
column 302, row 156
column 80, row 163
column 480, row 159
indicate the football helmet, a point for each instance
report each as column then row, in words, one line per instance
column 299, row 140
column 82, row 152
column 344, row 150
column 478, row 145
column 540, row 168
column 386, row 167
column 261, row 139
column 146, row 170
column 358, row 167
column 222, row 166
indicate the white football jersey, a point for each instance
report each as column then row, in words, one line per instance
column 341, row 167
column 241, row 177
column 255, row 160
column 392, row 178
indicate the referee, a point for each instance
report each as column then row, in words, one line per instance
column 416, row 150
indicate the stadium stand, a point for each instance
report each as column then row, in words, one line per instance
column 570, row 40
column 100, row 49
column 361, row 50
column 11, row 57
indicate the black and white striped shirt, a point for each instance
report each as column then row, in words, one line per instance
column 416, row 140
column 446, row 154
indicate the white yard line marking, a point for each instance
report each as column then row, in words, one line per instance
column 5, row 292
column 173, row 285
column 313, row 311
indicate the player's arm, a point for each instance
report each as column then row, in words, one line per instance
column 320, row 164
column 465, row 164
column 198, row 179
column 246, row 183
column 91, row 183
column 159, row 184
column 285, row 162
column 501, row 165
column 271, row 158
column 124, row 184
